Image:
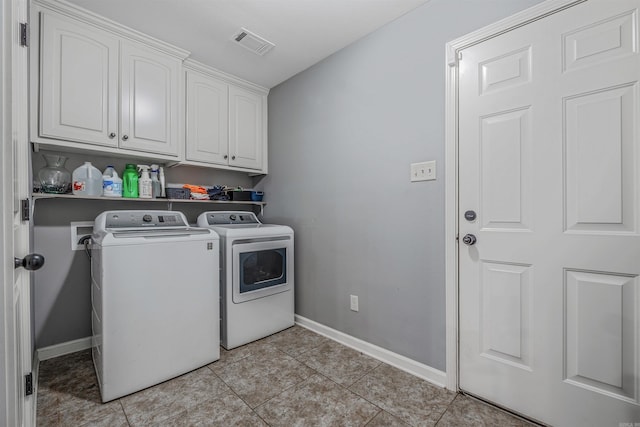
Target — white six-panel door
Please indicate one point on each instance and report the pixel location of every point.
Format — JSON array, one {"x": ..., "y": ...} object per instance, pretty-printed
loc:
[{"x": 549, "y": 159}]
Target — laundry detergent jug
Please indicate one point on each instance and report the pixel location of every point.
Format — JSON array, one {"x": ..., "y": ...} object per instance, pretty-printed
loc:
[
  {"x": 111, "y": 183},
  {"x": 130, "y": 181}
]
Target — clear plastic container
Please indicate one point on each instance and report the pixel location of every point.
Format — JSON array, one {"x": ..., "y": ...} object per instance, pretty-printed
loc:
[{"x": 87, "y": 181}]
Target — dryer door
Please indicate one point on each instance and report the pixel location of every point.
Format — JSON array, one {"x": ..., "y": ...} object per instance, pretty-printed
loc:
[{"x": 261, "y": 268}]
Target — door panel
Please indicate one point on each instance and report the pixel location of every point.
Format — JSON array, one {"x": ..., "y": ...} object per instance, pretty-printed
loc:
[
  {"x": 599, "y": 313},
  {"x": 599, "y": 147},
  {"x": 505, "y": 293},
  {"x": 549, "y": 156}
]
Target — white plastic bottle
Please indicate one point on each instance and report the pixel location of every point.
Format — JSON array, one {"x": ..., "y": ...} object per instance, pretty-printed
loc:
[
  {"x": 155, "y": 182},
  {"x": 87, "y": 180},
  {"x": 111, "y": 183},
  {"x": 163, "y": 192},
  {"x": 145, "y": 190}
]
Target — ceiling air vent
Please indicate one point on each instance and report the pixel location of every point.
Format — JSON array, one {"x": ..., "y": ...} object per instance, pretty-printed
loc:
[{"x": 253, "y": 42}]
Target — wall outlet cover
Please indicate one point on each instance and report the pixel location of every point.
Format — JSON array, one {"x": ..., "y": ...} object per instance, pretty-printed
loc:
[{"x": 354, "y": 303}]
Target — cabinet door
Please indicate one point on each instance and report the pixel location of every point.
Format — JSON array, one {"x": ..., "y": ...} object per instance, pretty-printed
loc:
[
  {"x": 207, "y": 119},
  {"x": 149, "y": 101},
  {"x": 246, "y": 128},
  {"x": 78, "y": 82}
]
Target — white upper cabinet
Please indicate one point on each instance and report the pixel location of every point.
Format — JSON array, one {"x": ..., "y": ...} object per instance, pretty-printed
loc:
[
  {"x": 246, "y": 128},
  {"x": 207, "y": 119},
  {"x": 79, "y": 67},
  {"x": 226, "y": 121},
  {"x": 98, "y": 87},
  {"x": 149, "y": 100},
  {"x": 101, "y": 88}
]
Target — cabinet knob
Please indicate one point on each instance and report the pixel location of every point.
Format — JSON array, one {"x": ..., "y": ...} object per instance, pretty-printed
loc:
[
  {"x": 233, "y": 157},
  {"x": 226, "y": 157},
  {"x": 112, "y": 135},
  {"x": 125, "y": 137}
]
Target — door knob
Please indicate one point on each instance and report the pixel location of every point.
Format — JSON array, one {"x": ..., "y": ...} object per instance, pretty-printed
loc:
[
  {"x": 469, "y": 239},
  {"x": 30, "y": 262}
]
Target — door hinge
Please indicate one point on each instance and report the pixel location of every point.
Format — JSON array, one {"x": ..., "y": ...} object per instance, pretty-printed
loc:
[
  {"x": 24, "y": 208},
  {"x": 24, "y": 34},
  {"x": 28, "y": 384},
  {"x": 457, "y": 237}
]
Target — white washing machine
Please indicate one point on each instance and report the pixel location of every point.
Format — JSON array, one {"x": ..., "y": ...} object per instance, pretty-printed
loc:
[
  {"x": 256, "y": 278},
  {"x": 154, "y": 295}
]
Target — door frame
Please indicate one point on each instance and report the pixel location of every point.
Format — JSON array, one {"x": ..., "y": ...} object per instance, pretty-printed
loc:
[
  {"x": 8, "y": 393},
  {"x": 453, "y": 50},
  {"x": 15, "y": 157}
]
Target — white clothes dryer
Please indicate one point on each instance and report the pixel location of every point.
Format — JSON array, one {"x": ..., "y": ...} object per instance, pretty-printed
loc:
[
  {"x": 154, "y": 297},
  {"x": 256, "y": 276}
]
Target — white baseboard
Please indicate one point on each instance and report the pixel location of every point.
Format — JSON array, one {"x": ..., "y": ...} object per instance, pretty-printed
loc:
[
  {"x": 52, "y": 351},
  {"x": 420, "y": 370}
]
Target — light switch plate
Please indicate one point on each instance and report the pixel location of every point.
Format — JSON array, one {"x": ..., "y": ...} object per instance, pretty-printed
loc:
[{"x": 423, "y": 171}]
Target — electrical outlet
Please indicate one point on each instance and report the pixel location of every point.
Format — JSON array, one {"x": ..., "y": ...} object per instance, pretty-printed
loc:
[
  {"x": 80, "y": 229},
  {"x": 354, "y": 302},
  {"x": 423, "y": 171}
]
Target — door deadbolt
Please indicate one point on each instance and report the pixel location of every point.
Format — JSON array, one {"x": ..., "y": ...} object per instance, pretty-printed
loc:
[{"x": 470, "y": 215}]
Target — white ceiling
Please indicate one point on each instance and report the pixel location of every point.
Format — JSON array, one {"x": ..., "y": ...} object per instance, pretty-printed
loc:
[{"x": 304, "y": 31}]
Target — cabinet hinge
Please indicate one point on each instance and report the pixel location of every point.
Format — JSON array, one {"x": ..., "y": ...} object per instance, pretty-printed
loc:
[
  {"x": 24, "y": 209},
  {"x": 24, "y": 34},
  {"x": 459, "y": 56},
  {"x": 28, "y": 384}
]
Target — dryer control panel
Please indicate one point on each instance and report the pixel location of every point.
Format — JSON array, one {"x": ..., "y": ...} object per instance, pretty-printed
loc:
[{"x": 231, "y": 217}]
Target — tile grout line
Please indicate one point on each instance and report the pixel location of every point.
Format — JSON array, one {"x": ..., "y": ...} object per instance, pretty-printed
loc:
[
  {"x": 238, "y": 396},
  {"x": 126, "y": 417}
]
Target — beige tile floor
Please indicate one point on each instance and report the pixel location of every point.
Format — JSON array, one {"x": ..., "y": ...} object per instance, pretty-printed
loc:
[{"x": 293, "y": 378}]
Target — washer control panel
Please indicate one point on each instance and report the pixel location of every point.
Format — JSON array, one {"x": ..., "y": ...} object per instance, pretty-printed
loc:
[
  {"x": 139, "y": 219},
  {"x": 227, "y": 218}
]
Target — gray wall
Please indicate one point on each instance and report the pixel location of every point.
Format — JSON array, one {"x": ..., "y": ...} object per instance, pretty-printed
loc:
[
  {"x": 61, "y": 290},
  {"x": 341, "y": 137}
]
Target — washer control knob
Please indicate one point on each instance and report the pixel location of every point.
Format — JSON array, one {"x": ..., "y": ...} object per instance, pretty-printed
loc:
[
  {"x": 232, "y": 217},
  {"x": 147, "y": 218}
]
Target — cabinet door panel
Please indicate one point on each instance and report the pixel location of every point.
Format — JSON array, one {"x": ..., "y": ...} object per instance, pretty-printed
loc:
[
  {"x": 207, "y": 119},
  {"x": 79, "y": 66},
  {"x": 246, "y": 126},
  {"x": 149, "y": 101}
]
